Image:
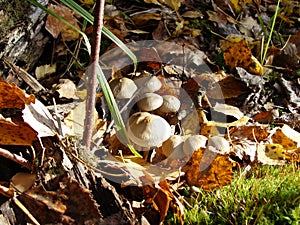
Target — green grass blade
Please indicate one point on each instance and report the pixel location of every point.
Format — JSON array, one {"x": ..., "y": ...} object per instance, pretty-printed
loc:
[
  {"x": 87, "y": 16},
  {"x": 86, "y": 40},
  {"x": 113, "y": 108},
  {"x": 271, "y": 32}
]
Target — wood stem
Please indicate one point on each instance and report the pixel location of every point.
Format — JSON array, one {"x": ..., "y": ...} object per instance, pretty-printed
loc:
[{"x": 91, "y": 75}]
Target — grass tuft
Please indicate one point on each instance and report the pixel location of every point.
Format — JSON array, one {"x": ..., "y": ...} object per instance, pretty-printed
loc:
[{"x": 267, "y": 195}]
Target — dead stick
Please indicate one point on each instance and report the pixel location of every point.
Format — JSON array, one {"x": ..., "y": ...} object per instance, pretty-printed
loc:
[
  {"x": 16, "y": 158},
  {"x": 92, "y": 75}
]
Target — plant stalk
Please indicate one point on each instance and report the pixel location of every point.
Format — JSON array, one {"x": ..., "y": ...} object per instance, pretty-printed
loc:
[{"x": 91, "y": 78}]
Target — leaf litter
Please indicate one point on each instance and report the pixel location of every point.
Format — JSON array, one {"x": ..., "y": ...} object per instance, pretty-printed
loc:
[{"x": 252, "y": 96}]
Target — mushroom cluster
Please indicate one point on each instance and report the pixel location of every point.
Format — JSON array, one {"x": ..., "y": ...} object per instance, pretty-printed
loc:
[
  {"x": 178, "y": 147},
  {"x": 149, "y": 126}
]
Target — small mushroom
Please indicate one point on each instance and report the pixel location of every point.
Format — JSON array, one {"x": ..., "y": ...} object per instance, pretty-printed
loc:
[
  {"x": 148, "y": 130},
  {"x": 148, "y": 84},
  {"x": 193, "y": 143},
  {"x": 123, "y": 88},
  {"x": 173, "y": 147},
  {"x": 218, "y": 144},
  {"x": 150, "y": 102},
  {"x": 171, "y": 104}
]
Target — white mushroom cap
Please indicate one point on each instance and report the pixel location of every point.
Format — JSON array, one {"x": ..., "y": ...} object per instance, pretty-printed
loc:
[
  {"x": 193, "y": 143},
  {"x": 218, "y": 144},
  {"x": 123, "y": 87},
  {"x": 170, "y": 104},
  {"x": 150, "y": 102},
  {"x": 147, "y": 130},
  {"x": 148, "y": 84},
  {"x": 173, "y": 147}
]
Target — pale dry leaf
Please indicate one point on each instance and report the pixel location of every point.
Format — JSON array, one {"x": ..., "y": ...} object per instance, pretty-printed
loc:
[
  {"x": 192, "y": 14},
  {"x": 74, "y": 121},
  {"x": 264, "y": 159},
  {"x": 23, "y": 181},
  {"x": 44, "y": 70},
  {"x": 40, "y": 119},
  {"x": 173, "y": 4},
  {"x": 228, "y": 110},
  {"x": 66, "y": 89},
  {"x": 252, "y": 81}
]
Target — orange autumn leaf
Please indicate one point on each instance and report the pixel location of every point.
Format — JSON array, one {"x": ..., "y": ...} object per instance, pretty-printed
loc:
[
  {"x": 16, "y": 133},
  {"x": 13, "y": 97},
  {"x": 160, "y": 196},
  {"x": 209, "y": 170},
  {"x": 238, "y": 54}
]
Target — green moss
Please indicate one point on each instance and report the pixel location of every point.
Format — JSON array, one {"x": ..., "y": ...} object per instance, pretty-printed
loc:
[{"x": 268, "y": 195}]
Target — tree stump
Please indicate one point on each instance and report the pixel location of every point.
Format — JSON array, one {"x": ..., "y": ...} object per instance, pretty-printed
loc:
[{"x": 22, "y": 37}]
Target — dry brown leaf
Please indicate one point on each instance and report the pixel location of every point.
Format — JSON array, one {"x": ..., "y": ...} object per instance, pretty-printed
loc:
[
  {"x": 252, "y": 133},
  {"x": 144, "y": 18},
  {"x": 160, "y": 196},
  {"x": 55, "y": 27},
  {"x": 16, "y": 133},
  {"x": 209, "y": 170},
  {"x": 238, "y": 54},
  {"x": 283, "y": 138},
  {"x": 230, "y": 88},
  {"x": 13, "y": 97}
]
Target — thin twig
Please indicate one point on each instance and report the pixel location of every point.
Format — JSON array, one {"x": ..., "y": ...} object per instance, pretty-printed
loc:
[
  {"x": 16, "y": 158},
  {"x": 92, "y": 75}
]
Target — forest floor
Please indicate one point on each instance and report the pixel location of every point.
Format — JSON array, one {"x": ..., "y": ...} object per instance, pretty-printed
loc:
[{"x": 234, "y": 68}]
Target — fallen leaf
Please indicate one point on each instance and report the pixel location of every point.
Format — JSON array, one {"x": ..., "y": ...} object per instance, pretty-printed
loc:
[
  {"x": 238, "y": 54},
  {"x": 192, "y": 14},
  {"x": 13, "y": 97},
  {"x": 228, "y": 110},
  {"x": 56, "y": 27},
  {"x": 44, "y": 70},
  {"x": 66, "y": 89},
  {"x": 274, "y": 151},
  {"x": 230, "y": 88},
  {"x": 252, "y": 81},
  {"x": 173, "y": 4},
  {"x": 142, "y": 19},
  {"x": 264, "y": 117},
  {"x": 287, "y": 137},
  {"x": 16, "y": 133},
  {"x": 252, "y": 133},
  {"x": 209, "y": 170},
  {"x": 39, "y": 118},
  {"x": 160, "y": 196},
  {"x": 74, "y": 121},
  {"x": 23, "y": 181},
  {"x": 263, "y": 156}
]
